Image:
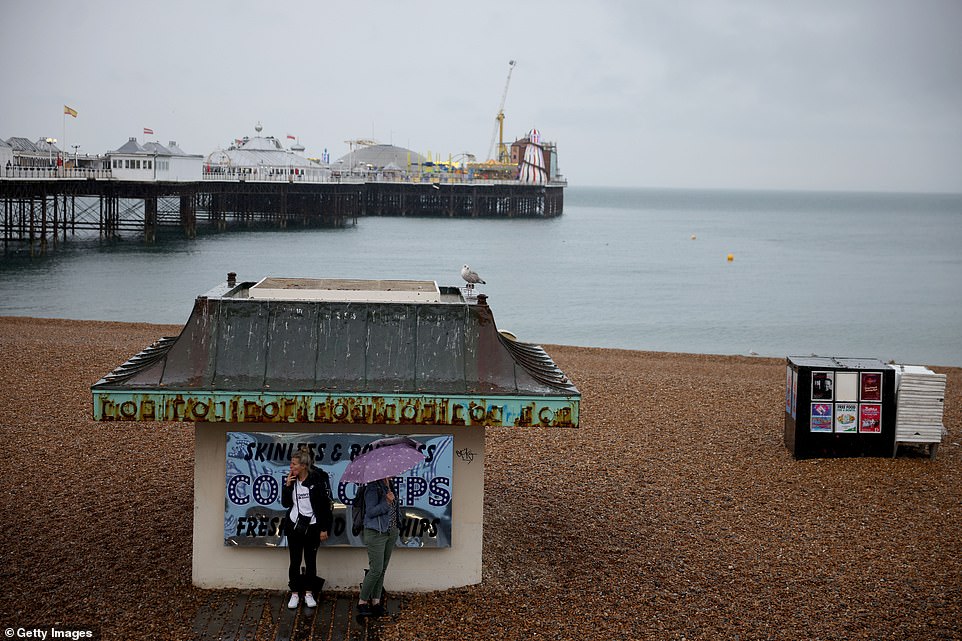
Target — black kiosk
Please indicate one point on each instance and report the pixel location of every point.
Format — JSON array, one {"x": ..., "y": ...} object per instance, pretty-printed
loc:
[{"x": 836, "y": 407}]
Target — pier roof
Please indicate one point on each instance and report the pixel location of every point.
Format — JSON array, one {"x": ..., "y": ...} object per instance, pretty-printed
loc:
[
  {"x": 21, "y": 144},
  {"x": 130, "y": 147},
  {"x": 157, "y": 148},
  {"x": 331, "y": 360},
  {"x": 381, "y": 156},
  {"x": 260, "y": 151},
  {"x": 46, "y": 147}
]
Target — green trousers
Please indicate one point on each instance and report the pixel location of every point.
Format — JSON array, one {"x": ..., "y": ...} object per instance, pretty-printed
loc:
[{"x": 379, "y": 545}]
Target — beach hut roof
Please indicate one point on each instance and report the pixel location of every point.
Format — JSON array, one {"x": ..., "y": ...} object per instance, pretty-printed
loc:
[{"x": 340, "y": 351}]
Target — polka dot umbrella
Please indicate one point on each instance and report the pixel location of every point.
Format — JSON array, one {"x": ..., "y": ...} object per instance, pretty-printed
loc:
[{"x": 389, "y": 457}]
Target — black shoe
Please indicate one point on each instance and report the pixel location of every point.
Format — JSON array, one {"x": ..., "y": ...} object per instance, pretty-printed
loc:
[
  {"x": 363, "y": 613},
  {"x": 377, "y": 610}
]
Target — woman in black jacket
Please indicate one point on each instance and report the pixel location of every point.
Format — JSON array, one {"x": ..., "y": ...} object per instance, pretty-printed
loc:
[{"x": 307, "y": 494}]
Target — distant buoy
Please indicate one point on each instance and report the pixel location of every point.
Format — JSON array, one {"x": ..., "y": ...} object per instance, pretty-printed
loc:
[
  {"x": 693, "y": 236},
  {"x": 731, "y": 257}
]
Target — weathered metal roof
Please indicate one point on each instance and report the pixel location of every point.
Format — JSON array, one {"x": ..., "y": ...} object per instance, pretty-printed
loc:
[
  {"x": 832, "y": 362},
  {"x": 334, "y": 360}
]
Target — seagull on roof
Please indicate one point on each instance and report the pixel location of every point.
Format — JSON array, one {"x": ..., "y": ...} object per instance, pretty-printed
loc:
[{"x": 471, "y": 276}]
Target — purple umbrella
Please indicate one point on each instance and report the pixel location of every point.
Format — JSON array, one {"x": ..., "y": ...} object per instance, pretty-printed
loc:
[{"x": 390, "y": 457}]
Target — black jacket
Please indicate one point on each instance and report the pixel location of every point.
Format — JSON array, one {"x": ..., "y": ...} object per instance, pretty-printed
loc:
[{"x": 318, "y": 484}]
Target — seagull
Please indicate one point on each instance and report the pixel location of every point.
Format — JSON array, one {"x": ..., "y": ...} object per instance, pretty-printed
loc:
[{"x": 471, "y": 276}]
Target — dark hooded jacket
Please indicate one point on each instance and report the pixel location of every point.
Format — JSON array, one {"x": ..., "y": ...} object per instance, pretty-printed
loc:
[{"x": 318, "y": 485}]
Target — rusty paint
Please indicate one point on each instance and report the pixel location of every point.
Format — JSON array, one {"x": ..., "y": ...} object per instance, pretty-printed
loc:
[{"x": 231, "y": 407}]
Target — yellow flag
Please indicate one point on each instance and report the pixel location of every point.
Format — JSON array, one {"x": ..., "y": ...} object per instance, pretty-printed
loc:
[{"x": 70, "y": 112}]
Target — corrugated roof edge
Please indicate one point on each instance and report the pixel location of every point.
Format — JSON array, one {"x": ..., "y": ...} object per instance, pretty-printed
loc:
[{"x": 535, "y": 360}]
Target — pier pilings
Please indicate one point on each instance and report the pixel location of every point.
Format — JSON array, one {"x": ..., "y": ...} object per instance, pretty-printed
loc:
[{"x": 37, "y": 213}]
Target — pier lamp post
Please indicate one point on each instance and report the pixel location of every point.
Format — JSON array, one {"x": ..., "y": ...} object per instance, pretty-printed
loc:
[{"x": 50, "y": 144}]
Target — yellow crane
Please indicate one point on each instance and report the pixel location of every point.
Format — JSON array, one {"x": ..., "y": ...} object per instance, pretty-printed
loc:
[{"x": 499, "y": 123}]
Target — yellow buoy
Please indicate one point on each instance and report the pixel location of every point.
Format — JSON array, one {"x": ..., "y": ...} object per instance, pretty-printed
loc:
[{"x": 731, "y": 257}]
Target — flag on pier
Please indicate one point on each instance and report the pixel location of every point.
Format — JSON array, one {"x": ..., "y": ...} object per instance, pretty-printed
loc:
[
  {"x": 69, "y": 112},
  {"x": 148, "y": 131},
  {"x": 291, "y": 137}
]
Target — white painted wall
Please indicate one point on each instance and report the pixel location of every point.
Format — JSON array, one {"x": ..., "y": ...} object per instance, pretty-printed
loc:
[
  {"x": 178, "y": 168},
  {"x": 125, "y": 172},
  {"x": 218, "y": 566},
  {"x": 187, "y": 168}
]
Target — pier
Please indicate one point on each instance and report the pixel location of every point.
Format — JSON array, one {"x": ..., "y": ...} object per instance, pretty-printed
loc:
[{"x": 42, "y": 208}]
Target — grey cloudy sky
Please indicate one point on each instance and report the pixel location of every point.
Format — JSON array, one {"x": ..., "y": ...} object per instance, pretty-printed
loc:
[{"x": 839, "y": 95}]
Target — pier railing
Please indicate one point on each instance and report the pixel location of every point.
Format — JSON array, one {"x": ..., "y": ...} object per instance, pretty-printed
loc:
[
  {"x": 343, "y": 178},
  {"x": 54, "y": 173},
  {"x": 366, "y": 178}
]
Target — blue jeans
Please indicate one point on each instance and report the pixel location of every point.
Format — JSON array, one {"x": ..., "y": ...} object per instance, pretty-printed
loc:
[{"x": 379, "y": 547}]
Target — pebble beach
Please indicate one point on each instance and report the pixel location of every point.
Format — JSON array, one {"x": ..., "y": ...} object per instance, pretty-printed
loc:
[{"x": 673, "y": 512}]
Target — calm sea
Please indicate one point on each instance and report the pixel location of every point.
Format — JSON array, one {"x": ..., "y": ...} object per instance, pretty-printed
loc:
[{"x": 835, "y": 274}]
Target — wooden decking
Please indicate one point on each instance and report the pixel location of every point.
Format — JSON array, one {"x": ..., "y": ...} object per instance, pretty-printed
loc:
[{"x": 239, "y": 615}]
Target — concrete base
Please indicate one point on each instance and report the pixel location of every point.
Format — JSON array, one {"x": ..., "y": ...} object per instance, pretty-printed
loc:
[{"x": 216, "y": 565}]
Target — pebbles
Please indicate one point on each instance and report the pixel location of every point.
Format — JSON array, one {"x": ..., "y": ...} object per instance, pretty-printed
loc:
[{"x": 673, "y": 512}]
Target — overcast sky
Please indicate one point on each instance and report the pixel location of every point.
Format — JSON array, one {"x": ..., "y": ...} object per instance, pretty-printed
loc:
[{"x": 794, "y": 94}]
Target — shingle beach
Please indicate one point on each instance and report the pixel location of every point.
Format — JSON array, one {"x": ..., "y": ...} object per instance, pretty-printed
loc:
[{"x": 673, "y": 512}]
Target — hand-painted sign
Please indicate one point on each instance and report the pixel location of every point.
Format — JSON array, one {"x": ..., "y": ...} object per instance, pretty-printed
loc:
[
  {"x": 258, "y": 462},
  {"x": 400, "y": 409}
]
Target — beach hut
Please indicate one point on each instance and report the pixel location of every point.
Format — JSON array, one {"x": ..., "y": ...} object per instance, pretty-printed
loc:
[{"x": 263, "y": 367}]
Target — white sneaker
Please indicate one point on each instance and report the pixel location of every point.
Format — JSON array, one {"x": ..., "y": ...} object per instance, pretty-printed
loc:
[
  {"x": 292, "y": 604},
  {"x": 309, "y": 600}
]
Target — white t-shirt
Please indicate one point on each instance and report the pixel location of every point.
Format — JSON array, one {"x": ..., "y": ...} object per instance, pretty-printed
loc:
[{"x": 302, "y": 503}]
